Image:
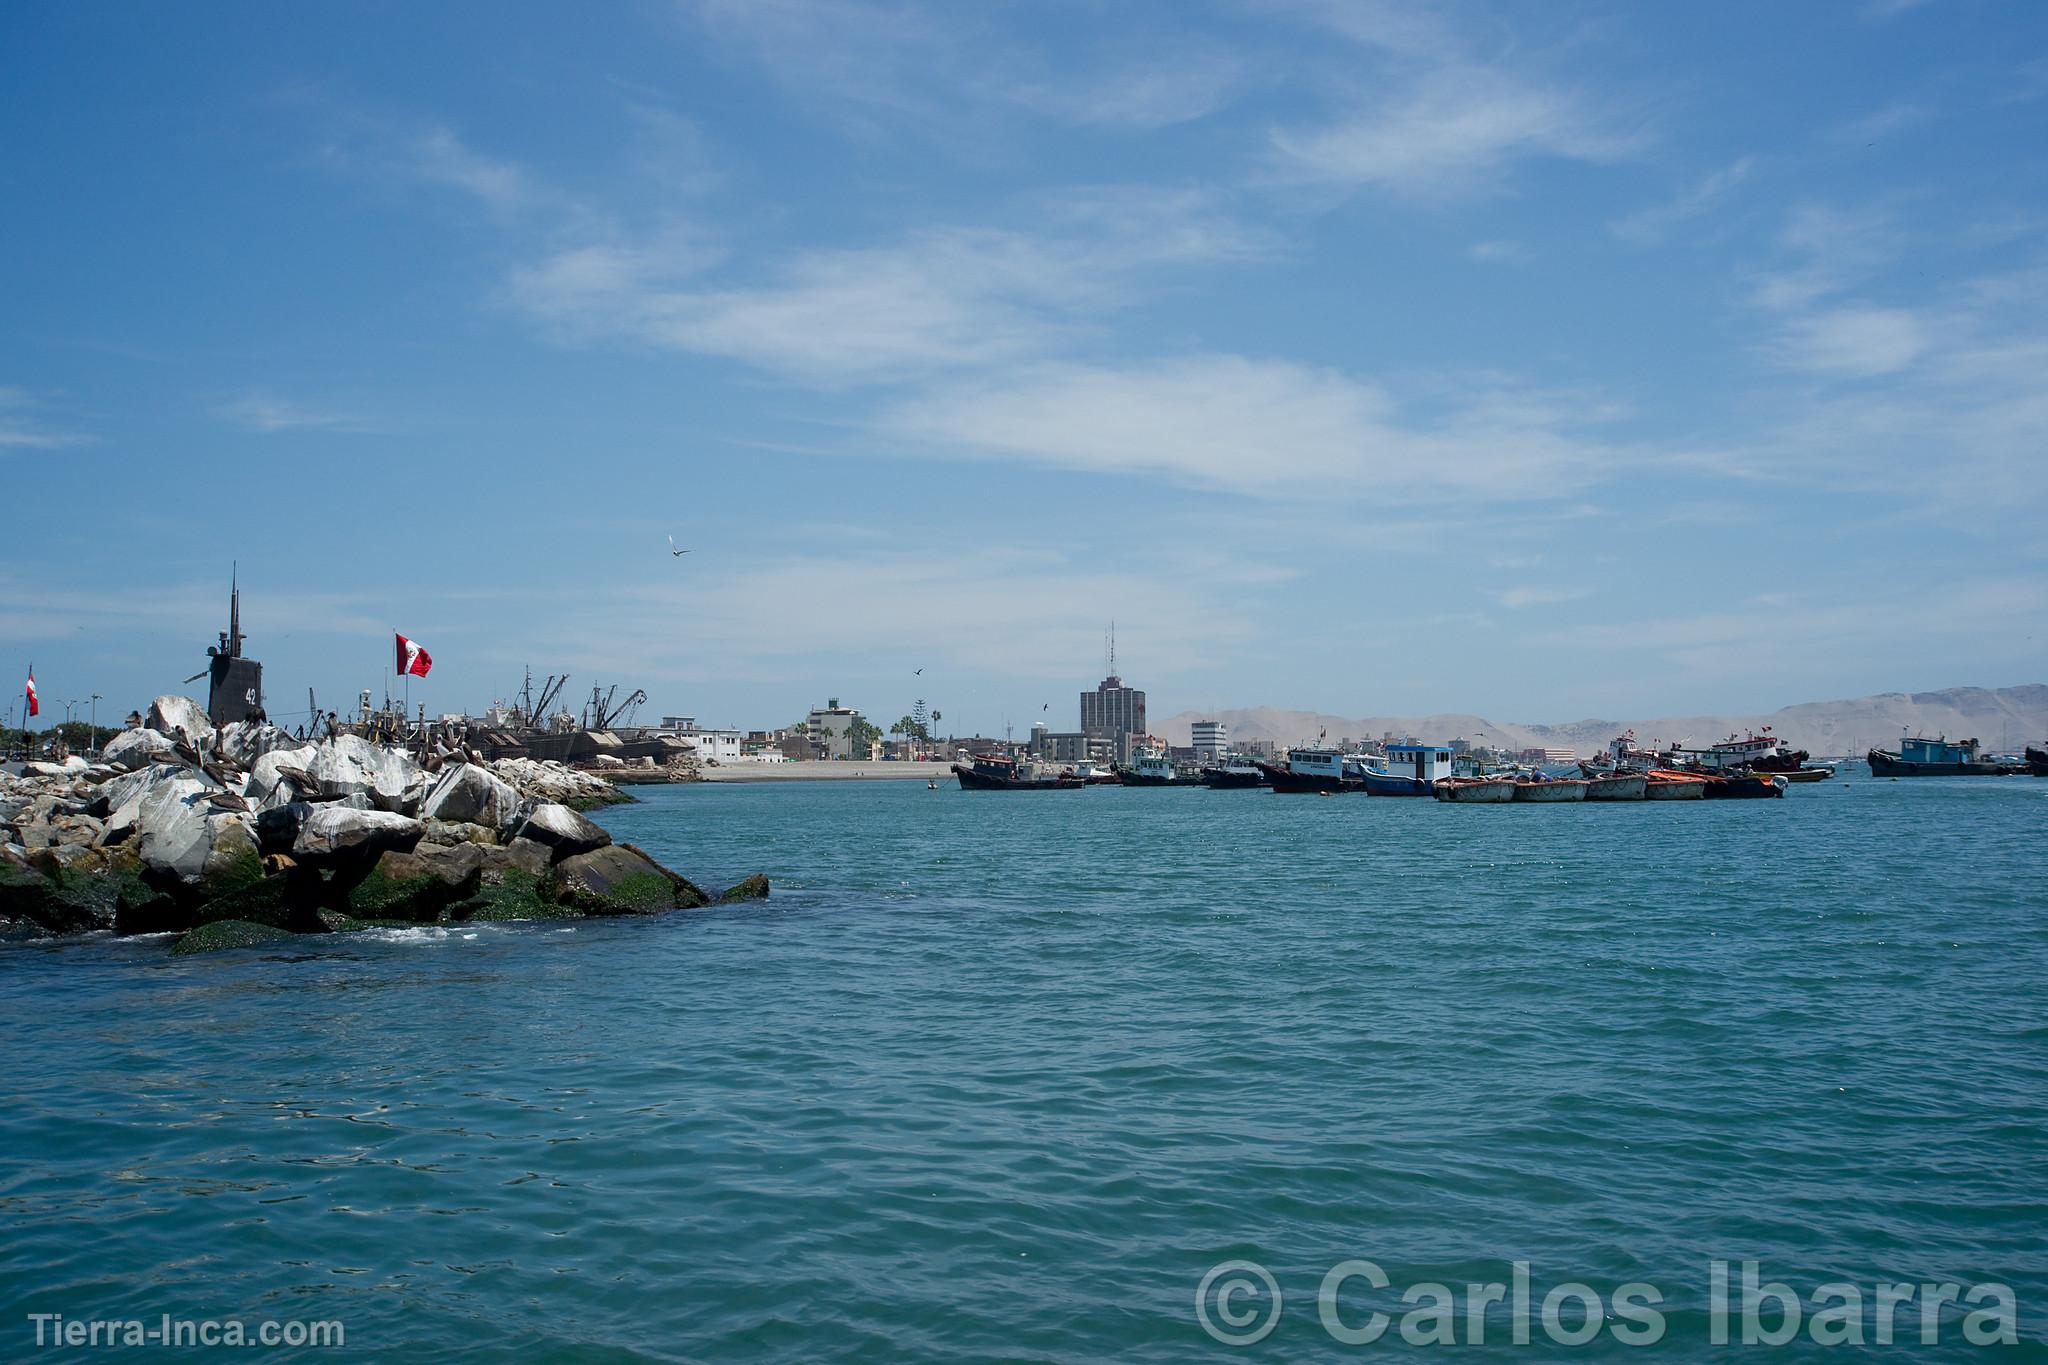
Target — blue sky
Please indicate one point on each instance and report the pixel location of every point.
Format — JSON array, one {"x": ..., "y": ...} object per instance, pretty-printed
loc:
[{"x": 1543, "y": 361}]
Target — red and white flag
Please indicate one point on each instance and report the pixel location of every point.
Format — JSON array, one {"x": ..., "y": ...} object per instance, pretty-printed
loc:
[
  {"x": 33, "y": 708},
  {"x": 411, "y": 658}
]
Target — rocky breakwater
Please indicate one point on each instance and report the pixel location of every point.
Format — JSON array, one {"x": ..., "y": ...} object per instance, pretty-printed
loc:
[{"x": 244, "y": 834}]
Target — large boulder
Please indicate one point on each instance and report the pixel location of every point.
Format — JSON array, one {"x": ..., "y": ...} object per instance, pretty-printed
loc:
[
  {"x": 467, "y": 793},
  {"x": 562, "y": 831},
  {"x": 618, "y": 880},
  {"x": 139, "y": 749},
  {"x": 267, "y": 786},
  {"x": 349, "y": 764},
  {"x": 177, "y": 827},
  {"x": 245, "y": 741},
  {"x": 335, "y": 834},
  {"x": 420, "y": 886},
  {"x": 180, "y": 716}
]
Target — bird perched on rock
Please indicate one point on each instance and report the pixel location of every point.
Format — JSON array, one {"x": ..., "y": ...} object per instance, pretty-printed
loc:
[
  {"x": 186, "y": 753},
  {"x": 221, "y": 773},
  {"x": 228, "y": 799}
]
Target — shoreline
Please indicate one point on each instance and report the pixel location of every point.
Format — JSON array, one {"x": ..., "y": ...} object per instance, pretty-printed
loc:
[{"x": 806, "y": 770}]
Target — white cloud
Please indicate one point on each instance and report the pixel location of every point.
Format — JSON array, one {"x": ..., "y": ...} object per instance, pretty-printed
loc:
[
  {"x": 1516, "y": 598},
  {"x": 268, "y": 413},
  {"x": 20, "y": 428},
  {"x": 1501, "y": 252},
  {"x": 1652, "y": 224},
  {"x": 940, "y": 299},
  {"x": 1450, "y": 131},
  {"x": 1857, "y": 343},
  {"x": 1263, "y": 427}
]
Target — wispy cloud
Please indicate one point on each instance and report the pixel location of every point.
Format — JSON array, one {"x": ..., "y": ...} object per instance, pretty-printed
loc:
[
  {"x": 1501, "y": 252},
  {"x": 1450, "y": 131},
  {"x": 940, "y": 299},
  {"x": 1516, "y": 598},
  {"x": 21, "y": 427},
  {"x": 1268, "y": 427},
  {"x": 1651, "y": 225},
  {"x": 1857, "y": 343},
  {"x": 268, "y": 413}
]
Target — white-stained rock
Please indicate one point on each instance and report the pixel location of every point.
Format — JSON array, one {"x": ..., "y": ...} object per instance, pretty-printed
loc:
[
  {"x": 246, "y": 741},
  {"x": 177, "y": 716},
  {"x": 348, "y": 764},
  {"x": 266, "y": 788},
  {"x": 138, "y": 749},
  {"x": 466, "y": 794},
  {"x": 562, "y": 831},
  {"x": 335, "y": 833},
  {"x": 173, "y": 822}
]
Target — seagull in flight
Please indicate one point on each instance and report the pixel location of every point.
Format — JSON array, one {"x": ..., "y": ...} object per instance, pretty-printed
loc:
[
  {"x": 918, "y": 674},
  {"x": 672, "y": 547}
]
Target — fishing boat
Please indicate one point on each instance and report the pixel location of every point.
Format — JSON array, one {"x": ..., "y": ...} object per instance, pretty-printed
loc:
[
  {"x": 1474, "y": 790},
  {"x": 1316, "y": 769},
  {"x": 1665, "y": 784},
  {"x": 1740, "y": 786},
  {"x": 2037, "y": 761},
  {"x": 987, "y": 773},
  {"x": 1096, "y": 774},
  {"x": 1542, "y": 788},
  {"x": 1759, "y": 751},
  {"x": 1233, "y": 775},
  {"x": 1616, "y": 786},
  {"x": 1411, "y": 770},
  {"x": 1919, "y": 756},
  {"x": 1153, "y": 770}
]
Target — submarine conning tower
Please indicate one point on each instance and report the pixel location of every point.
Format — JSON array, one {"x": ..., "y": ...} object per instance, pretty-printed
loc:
[{"x": 236, "y": 690}]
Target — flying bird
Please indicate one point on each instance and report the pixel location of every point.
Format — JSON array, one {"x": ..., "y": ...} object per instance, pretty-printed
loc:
[
  {"x": 672, "y": 547},
  {"x": 919, "y": 673}
]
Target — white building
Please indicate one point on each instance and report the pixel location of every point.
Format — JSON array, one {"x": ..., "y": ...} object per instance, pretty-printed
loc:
[
  {"x": 828, "y": 726},
  {"x": 1211, "y": 740}
]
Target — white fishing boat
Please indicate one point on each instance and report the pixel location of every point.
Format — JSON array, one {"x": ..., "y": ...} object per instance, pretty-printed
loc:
[
  {"x": 1551, "y": 789},
  {"x": 1616, "y": 787},
  {"x": 1474, "y": 790}
]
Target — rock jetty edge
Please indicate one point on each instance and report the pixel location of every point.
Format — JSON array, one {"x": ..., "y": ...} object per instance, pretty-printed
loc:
[{"x": 246, "y": 835}]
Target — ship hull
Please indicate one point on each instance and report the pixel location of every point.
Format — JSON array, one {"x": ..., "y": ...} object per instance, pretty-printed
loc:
[
  {"x": 1386, "y": 784},
  {"x": 2037, "y": 761},
  {"x": 1675, "y": 788},
  {"x": 1130, "y": 779},
  {"x": 1570, "y": 789},
  {"x": 1474, "y": 791},
  {"x": 1287, "y": 780},
  {"x": 1884, "y": 764},
  {"x": 1744, "y": 787},
  {"x": 1618, "y": 787},
  {"x": 972, "y": 781},
  {"x": 1228, "y": 779}
]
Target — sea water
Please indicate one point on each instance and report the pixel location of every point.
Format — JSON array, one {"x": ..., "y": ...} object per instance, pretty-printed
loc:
[{"x": 1013, "y": 1074}]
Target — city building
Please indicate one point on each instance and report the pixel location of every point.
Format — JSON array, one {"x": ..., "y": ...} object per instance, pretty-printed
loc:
[
  {"x": 828, "y": 728},
  {"x": 1211, "y": 741}
]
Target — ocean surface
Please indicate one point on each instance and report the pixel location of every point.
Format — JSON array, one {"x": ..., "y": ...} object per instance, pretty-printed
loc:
[{"x": 1006, "y": 1075}]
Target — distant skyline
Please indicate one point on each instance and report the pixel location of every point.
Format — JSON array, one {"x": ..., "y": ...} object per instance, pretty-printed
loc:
[{"x": 1542, "y": 362}]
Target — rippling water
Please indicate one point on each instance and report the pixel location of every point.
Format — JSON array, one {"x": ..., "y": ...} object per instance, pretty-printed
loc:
[{"x": 1006, "y": 1074}]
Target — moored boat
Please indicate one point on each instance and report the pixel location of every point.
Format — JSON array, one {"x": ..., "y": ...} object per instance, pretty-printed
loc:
[
  {"x": 2037, "y": 761},
  {"x": 992, "y": 774},
  {"x": 1474, "y": 790},
  {"x": 1743, "y": 786},
  {"x": 1315, "y": 770},
  {"x": 1541, "y": 788},
  {"x": 1412, "y": 770},
  {"x": 1616, "y": 787},
  {"x": 1233, "y": 776},
  {"x": 1919, "y": 756},
  {"x": 1154, "y": 770},
  {"x": 1663, "y": 784}
]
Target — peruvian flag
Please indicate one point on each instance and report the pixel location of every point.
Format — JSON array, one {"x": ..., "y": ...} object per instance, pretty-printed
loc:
[
  {"x": 33, "y": 708},
  {"x": 411, "y": 658}
]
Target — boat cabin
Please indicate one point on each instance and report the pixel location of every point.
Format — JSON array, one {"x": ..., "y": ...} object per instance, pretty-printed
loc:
[
  {"x": 1423, "y": 762},
  {"x": 1316, "y": 762},
  {"x": 1920, "y": 749}
]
